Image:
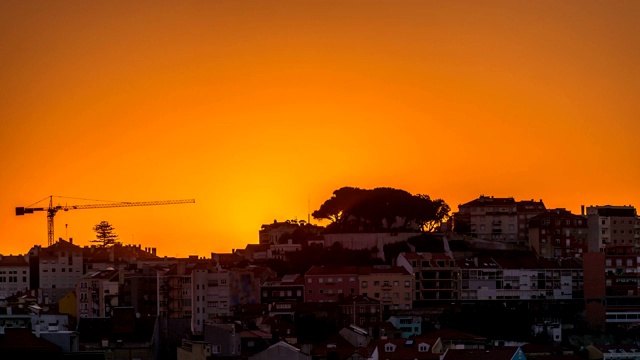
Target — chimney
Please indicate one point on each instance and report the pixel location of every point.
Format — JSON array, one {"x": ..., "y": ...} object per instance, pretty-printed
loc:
[
  {"x": 70, "y": 240},
  {"x": 581, "y": 209},
  {"x": 111, "y": 254},
  {"x": 153, "y": 251}
]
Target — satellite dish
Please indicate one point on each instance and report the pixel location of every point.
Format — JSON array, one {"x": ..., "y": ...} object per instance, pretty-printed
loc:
[{"x": 138, "y": 315}]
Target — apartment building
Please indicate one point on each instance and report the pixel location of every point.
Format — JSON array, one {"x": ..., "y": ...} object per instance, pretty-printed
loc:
[
  {"x": 360, "y": 310},
  {"x": 521, "y": 277},
  {"x": 527, "y": 209},
  {"x": 558, "y": 233},
  {"x": 289, "y": 288},
  {"x": 14, "y": 275},
  {"x": 211, "y": 295},
  {"x": 59, "y": 268},
  {"x": 435, "y": 276},
  {"x": 611, "y": 226},
  {"x": 497, "y": 219},
  {"x": 391, "y": 285},
  {"x": 97, "y": 293},
  {"x": 330, "y": 283}
]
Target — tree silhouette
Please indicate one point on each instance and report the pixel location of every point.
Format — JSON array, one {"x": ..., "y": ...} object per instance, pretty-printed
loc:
[
  {"x": 380, "y": 210},
  {"x": 105, "y": 234}
]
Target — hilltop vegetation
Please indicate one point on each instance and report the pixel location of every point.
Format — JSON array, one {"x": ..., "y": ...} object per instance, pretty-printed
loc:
[{"x": 381, "y": 209}]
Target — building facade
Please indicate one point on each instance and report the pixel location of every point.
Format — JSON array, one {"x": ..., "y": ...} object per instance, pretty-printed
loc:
[
  {"x": 558, "y": 233},
  {"x": 14, "y": 275},
  {"x": 436, "y": 277}
]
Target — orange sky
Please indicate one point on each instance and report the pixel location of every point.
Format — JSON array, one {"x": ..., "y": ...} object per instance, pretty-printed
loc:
[{"x": 257, "y": 108}]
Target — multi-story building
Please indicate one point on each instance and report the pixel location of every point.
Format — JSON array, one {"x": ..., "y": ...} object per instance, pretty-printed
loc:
[
  {"x": 558, "y": 233},
  {"x": 271, "y": 233},
  {"x": 527, "y": 209},
  {"x": 196, "y": 290},
  {"x": 140, "y": 290},
  {"x": 14, "y": 275},
  {"x": 330, "y": 283},
  {"x": 497, "y": 219},
  {"x": 289, "y": 288},
  {"x": 174, "y": 291},
  {"x": 244, "y": 284},
  {"x": 488, "y": 218},
  {"x": 117, "y": 256},
  {"x": 210, "y": 295},
  {"x": 611, "y": 226},
  {"x": 392, "y": 285},
  {"x": 360, "y": 310},
  {"x": 436, "y": 276},
  {"x": 59, "y": 268},
  {"x": 521, "y": 278},
  {"x": 97, "y": 293}
]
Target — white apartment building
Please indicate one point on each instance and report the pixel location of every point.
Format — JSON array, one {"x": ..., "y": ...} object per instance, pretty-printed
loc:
[
  {"x": 14, "y": 275},
  {"x": 59, "y": 269},
  {"x": 210, "y": 289},
  {"x": 611, "y": 226},
  {"x": 520, "y": 279}
]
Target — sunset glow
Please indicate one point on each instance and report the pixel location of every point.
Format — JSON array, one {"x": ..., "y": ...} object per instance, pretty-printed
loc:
[{"x": 258, "y": 110}]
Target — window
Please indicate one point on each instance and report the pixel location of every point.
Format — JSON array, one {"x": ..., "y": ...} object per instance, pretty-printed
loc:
[
  {"x": 364, "y": 284},
  {"x": 407, "y": 284},
  {"x": 216, "y": 349},
  {"x": 376, "y": 283},
  {"x": 396, "y": 283}
]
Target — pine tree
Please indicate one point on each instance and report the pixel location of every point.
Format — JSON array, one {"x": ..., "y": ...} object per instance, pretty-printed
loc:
[{"x": 105, "y": 234}]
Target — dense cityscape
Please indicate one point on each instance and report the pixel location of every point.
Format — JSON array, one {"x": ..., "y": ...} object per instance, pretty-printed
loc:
[{"x": 392, "y": 276}]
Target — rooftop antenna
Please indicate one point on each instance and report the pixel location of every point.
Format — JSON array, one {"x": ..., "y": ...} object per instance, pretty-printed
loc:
[{"x": 66, "y": 231}]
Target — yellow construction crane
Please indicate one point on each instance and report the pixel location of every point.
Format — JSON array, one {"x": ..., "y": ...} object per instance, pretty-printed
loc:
[{"x": 52, "y": 210}]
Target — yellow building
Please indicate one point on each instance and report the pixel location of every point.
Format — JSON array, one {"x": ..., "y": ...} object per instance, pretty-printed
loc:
[
  {"x": 392, "y": 285},
  {"x": 67, "y": 305}
]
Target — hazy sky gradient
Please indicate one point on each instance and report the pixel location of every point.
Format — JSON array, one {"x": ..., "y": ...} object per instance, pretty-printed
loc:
[{"x": 258, "y": 109}]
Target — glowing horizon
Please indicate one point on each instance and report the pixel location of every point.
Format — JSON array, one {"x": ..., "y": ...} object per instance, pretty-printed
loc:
[{"x": 259, "y": 110}]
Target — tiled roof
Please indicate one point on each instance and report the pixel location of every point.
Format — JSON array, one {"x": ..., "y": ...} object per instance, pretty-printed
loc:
[
  {"x": 340, "y": 346},
  {"x": 108, "y": 274},
  {"x": 13, "y": 260},
  {"x": 490, "y": 201},
  {"x": 524, "y": 206},
  {"x": 331, "y": 270},
  {"x": 404, "y": 349},
  {"x": 63, "y": 245}
]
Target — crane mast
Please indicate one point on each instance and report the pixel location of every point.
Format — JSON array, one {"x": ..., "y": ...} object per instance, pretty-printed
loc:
[{"x": 52, "y": 210}]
